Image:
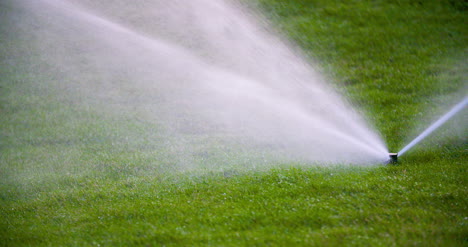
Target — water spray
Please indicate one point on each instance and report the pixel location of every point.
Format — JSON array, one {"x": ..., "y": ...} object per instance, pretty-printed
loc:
[
  {"x": 189, "y": 76},
  {"x": 457, "y": 108}
]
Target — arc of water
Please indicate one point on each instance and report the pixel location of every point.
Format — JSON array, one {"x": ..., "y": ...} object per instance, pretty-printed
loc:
[
  {"x": 458, "y": 107},
  {"x": 353, "y": 135}
]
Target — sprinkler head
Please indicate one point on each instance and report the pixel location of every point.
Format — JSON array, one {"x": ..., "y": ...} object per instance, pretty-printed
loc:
[{"x": 393, "y": 158}]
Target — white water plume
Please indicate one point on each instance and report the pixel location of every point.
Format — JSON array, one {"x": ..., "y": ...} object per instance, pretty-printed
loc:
[{"x": 201, "y": 68}]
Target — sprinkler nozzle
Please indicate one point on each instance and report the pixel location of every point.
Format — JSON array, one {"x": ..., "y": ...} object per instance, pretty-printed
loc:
[{"x": 393, "y": 158}]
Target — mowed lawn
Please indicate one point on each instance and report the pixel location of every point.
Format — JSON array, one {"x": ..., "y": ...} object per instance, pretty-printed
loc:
[{"x": 70, "y": 177}]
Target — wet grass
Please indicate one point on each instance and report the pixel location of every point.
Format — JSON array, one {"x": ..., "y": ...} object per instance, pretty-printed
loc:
[{"x": 73, "y": 177}]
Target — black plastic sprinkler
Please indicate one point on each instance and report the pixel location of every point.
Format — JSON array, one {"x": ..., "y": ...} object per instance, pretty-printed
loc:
[{"x": 393, "y": 158}]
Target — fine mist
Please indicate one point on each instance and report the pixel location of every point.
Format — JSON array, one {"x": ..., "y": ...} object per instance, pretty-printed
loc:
[{"x": 210, "y": 74}]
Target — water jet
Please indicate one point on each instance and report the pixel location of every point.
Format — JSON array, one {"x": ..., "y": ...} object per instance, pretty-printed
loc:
[{"x": 455, "y": 109}]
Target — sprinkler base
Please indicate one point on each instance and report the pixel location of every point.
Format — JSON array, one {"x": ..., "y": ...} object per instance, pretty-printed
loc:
[{"x": 393, "y": 158}]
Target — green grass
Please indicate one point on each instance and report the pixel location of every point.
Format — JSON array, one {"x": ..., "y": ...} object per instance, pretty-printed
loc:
[{"x": 72, "y": 177}]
